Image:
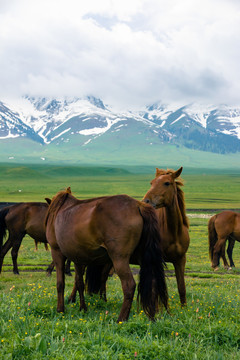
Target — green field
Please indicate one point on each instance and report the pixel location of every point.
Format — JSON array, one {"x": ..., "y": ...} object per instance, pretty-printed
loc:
[
  {"x": 204, "y": 188},
  {"x": 208, "y": 328}
]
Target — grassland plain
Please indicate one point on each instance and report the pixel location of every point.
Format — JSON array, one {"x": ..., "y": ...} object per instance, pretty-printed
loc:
[
  {"x": 204, "y": 188},
  {"x": 208, "y": 328}
]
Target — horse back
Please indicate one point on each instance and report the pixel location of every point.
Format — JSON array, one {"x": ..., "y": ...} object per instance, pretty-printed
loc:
[
  {"x": 28, "y": 218},
  {"x": 228, "y": 222},
  {"x": 111, "y": 222}
]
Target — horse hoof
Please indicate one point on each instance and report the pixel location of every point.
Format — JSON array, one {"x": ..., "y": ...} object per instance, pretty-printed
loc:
[
  {"x": 229, "y": 268},
  {"x": 71, "y": 300},
  {"x": 216, "y": 268},
  {"x": 84, "y": 308}
]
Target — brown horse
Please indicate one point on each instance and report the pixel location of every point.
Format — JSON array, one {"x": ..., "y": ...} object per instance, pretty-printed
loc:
[
  {"x": 167, "y": 197},
  {"x": 108, "y": 230},
  {"x": 222, "y": 227},
  {"x": 23, "y": 219}
]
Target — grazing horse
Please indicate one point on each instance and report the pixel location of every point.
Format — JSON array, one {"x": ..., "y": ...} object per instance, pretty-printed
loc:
[
  {"x": 167, "y": 197},
  {"x": 222, "y": 227},
  {"x": 21, "y": 219},
  {"x": 108, "y": 230}
]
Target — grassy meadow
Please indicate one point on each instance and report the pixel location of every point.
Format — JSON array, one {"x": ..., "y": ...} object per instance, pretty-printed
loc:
[
  {"x": 204, "y": 188},
  {"x": 208, "y": 328}
]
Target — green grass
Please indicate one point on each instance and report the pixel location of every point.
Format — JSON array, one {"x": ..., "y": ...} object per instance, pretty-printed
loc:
[
  {"x": 203, "y": 188},
  {"x": 208, "y": 328}
]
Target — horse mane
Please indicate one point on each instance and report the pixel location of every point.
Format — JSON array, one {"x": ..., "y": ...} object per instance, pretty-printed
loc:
[
  {"x": 180, "y": 193},
  {"x": 56, "y": 203}
]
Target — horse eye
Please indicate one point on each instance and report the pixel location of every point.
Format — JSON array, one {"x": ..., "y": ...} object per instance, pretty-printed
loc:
[{"x": 167, "y": 183}]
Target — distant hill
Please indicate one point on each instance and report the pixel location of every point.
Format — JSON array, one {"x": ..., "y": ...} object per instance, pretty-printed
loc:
[{"x": 86, "y": 131}]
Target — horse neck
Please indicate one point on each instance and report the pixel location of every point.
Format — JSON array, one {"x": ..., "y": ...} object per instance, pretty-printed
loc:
[
  {"x": 58, "y": 203},
  {"x": 171, "y": 217}
]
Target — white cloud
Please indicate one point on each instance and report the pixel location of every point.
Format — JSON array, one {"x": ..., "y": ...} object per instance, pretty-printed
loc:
[{"x": 126, "y": 52}]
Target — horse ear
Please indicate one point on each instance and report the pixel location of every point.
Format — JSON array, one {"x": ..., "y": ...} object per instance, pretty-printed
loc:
[
  {"x": 177, "y": 173},
  {"x": 48, "y": 201},
  {"x": 69, "y": 191},
  {"x": 157, "y": 172}
]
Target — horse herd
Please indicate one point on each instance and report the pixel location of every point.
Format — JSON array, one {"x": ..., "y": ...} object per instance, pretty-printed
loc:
[{"x": 113, "y": 232}]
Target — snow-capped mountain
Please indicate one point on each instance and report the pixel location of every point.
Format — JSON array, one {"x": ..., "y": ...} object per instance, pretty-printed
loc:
[{"x": 84, "y": 121}]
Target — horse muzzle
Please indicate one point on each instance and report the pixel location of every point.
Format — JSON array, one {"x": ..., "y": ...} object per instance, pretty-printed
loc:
[
  {"x": 147, "y": 201},
  {"x": 156, "y": 204}
]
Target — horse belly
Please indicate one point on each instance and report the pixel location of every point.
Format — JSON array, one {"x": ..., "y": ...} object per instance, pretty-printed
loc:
[
  {"x": 37, "y": 234},
  {"x": 78, "y": 245},
  {"x": 236, "y": 233}
]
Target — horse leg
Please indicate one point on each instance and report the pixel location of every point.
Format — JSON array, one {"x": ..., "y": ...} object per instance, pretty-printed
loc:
[
  {"x": 223, "y": 256},
  {"x": 5, "y": 248},
  {"x": 111, "y": 272},
  {"x": 50, "y": 269},
  {"x": 217, "y": 252},
  {"x": 59, "y": 262},
  {"x": 68, "y": 268},
  {"x": 14, "y": 253},
  {"x": 72, "y": 297},
  {"x": 104, "y": 278},
  {"x": 231, "y": 243},
  {"x": 123, "y": 270},
  {"x": 36, "y": 245},
  {"x": 79, "y": 285},
  {"x": 179, "y": 272}
]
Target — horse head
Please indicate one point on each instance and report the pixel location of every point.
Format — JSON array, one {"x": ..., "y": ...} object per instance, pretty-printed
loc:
[{"x": 163, "y": 188}]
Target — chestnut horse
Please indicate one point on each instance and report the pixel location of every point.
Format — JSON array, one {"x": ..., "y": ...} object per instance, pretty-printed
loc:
[
  {"x": 222, "y": 227},
  {"x": 108, "y": 230},
  {"x": 23, "y": 219},
  {"x": 167, "y": 197}
]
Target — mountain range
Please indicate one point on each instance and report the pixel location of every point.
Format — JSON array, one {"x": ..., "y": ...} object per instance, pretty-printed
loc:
[{"x": 86, "y": 127}]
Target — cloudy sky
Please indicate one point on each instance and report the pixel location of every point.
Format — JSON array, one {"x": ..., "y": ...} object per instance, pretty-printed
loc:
[{"x": 127, "y": 52}]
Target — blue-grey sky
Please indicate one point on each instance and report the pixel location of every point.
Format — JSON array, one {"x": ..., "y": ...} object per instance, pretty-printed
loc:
[{"x": 127, "y": 52}]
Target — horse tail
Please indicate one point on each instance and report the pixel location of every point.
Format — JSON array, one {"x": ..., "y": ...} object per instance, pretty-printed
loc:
[
  {"x": 152, "y": 288},
  {"x": 93, "y": 278},
  {"x": 3, "y": 225},
  {"x": 212, "y": 235}
]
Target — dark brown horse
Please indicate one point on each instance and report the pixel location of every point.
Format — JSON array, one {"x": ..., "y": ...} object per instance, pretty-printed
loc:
[
  {"x": 23, "y": 219},
  {"x": 108, "y": 230},
  {"x": 167, "y": 197},
  {"x": 222, "y": 227}
]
